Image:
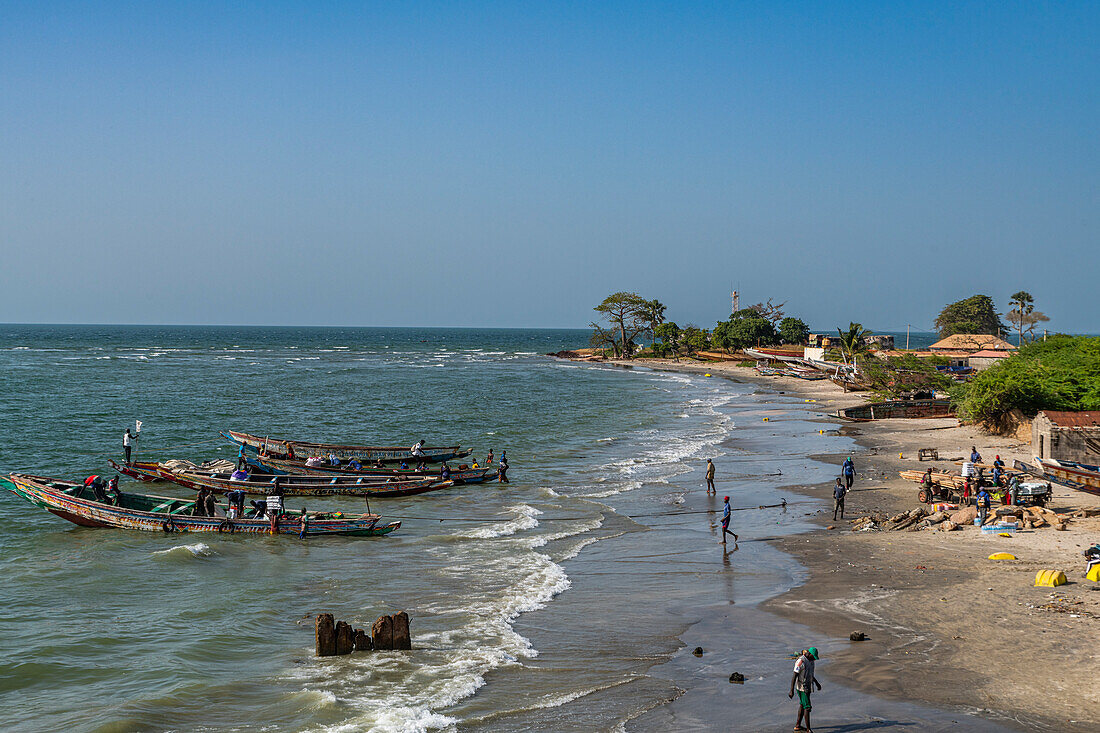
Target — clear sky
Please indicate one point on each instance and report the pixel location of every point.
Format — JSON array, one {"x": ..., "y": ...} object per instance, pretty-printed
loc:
[{"x": 509, "y": 164}]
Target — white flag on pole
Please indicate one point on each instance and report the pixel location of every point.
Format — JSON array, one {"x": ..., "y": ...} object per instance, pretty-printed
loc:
[{"x": 138, "y": 425}]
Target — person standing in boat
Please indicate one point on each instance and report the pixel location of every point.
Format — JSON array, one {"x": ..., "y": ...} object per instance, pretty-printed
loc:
[
  {"x": 113, "y": 494},
  {"x": 444, "y": 472},
  {"x": 502, "y": 468},
  {"x": 418, "y": 450},
  {"x": 710, "y": 477},
  {"x": 127, "y": 444}
]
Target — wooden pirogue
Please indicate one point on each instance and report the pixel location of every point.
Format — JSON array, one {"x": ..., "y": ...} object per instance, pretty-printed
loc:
[
  {"x": 898, "y": 408},
  {"x": 299, "y": 449},
  {"x": 67, "y": 500},
  {"x": 282, "y": 467},
  {"x": 265, "y": 484},
  {"x": 1080, "y": 476}
]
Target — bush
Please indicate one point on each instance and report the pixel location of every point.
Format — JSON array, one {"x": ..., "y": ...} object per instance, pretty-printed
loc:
[
  {"x": 1061, "y": 373},
  {"x": 896, "y": 375}
]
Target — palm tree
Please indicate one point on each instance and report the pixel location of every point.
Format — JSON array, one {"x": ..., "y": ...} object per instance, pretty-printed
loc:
[
  {"x": 654, "y": 313},
  {"x": 1022, "y": 307},
  {"x": 852, "y": 340}
]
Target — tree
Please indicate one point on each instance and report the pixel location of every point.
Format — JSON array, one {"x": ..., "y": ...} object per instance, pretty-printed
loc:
[
  {"x": 793, "y": 331},
  {"x": 853, "y": 340},
  {"x": 1024, "y": 316},
  {"x": 628, "y": 314},
  {"x": 694, "y": 339},
  {"x": 669, "y": 334},
  {"x": 975, "y": 314},
  {"x": 771, "y": 312},
  {"x": 745, "y": 328},
  {"x": 1061, "y": 373}
]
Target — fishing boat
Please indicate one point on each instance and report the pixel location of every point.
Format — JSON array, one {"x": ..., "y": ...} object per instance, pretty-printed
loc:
[
  {"x": 1081, "y": 476},
  {"x": 266, "y": 484},
  {"x": 284, "y": 467},
  {"x": 296, "y": 449},
  {"x": 777, "y": 354},
  {"x": 898, "y": 408},
  {"x": 69, "y": 500}
]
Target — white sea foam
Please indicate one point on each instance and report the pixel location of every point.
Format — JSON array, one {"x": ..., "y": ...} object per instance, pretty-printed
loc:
[
  {"x": 524, "y": 520},
  {"x": 199, "y": 549}
]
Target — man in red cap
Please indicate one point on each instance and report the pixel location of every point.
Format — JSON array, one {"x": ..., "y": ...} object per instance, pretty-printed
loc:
[{"x": 726, "y": 521}]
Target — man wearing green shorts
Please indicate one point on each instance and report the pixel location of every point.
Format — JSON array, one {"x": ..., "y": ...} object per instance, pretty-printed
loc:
[{"x": 803, "y": 680}]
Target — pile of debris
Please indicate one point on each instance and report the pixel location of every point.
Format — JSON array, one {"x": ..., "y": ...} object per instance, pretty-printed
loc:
[{"x": 1029, "y": 517}]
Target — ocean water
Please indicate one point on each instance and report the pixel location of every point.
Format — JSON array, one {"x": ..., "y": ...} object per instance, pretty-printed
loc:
[{"x": 553, "y": 602}]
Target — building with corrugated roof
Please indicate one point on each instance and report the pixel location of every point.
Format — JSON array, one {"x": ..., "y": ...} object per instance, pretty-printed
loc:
[
  {"x": 1067, "y": 436},
  {"x": 971, "y": 342}
]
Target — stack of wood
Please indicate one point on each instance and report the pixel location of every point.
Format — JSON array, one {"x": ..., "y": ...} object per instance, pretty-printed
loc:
[
  {"x": 335, "y": 638},
  {"x": 940, "y": 477}
]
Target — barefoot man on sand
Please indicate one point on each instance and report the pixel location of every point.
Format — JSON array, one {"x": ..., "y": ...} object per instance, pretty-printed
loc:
[
  {"x": 803, "y": 679},
  {"x": 710, "y": 477},
  {"x": 726, "y": 521}
]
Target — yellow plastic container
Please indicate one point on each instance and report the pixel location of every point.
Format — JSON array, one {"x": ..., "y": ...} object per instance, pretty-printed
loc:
[
  {"x": 1002, "y": 556},
  {"x": 1049, "y": 578},
  {"x": 1094, "y": 574}
]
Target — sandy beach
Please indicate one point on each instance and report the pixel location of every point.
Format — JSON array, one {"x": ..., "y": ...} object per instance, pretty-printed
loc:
[{"x": 945, "y": 625}]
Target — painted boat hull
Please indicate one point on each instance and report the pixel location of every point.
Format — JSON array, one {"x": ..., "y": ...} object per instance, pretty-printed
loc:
[
  {"x": 283, "y": 467},
  {"x": 138, "y": 511},
  {"x": 1066, "y": 473},
  {"x": 280, "y": 448},
  {"x": 910, "y": 409},
  {"x": 295, "y": 485}
]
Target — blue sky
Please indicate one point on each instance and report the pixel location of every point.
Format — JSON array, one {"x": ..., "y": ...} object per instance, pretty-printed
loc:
[{"x": 485, "y": 164}]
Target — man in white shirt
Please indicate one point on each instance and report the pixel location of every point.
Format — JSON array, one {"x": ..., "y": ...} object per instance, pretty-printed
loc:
[
  {"x": 127, "y": 444},
  {"x": 803, "y": 680}
]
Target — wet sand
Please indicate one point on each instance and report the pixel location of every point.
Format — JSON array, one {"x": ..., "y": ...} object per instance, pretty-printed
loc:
[{"x": 947, "y": 627}]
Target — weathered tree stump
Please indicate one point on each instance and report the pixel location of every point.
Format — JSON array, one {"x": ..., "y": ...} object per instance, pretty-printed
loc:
[
  {"x": 345, "y": 638},
  {"x": 401, "y": 636},
  {"x": 363, "y": 642},
  {"x": 326, "y": 635},
  {"x": 382, "y": 633}
]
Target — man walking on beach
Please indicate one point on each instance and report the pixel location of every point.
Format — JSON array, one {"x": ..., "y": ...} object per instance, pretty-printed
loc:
[
  {"x": 838, "y": 499},
  {"x": 802, "y": 680},
  {"x": 710, "y": 477},
  {"x": 726, "y": 521},
  {"x": 849, "y": 472}
]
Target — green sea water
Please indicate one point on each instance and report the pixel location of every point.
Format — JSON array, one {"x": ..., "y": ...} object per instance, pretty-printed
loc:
[{"x": 546, "y": 603}]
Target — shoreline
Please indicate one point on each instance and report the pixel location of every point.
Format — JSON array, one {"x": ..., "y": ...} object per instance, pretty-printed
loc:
[{"x": 956, "y": 627}]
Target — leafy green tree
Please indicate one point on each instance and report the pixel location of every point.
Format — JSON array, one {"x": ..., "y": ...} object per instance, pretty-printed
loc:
[
  {"x": 628, "y": 315},
  {"x": 1024, "y": 316},
  {"x": 976, "y": 314},
  {"x": 693, "y": 339},
  {"x": 853, "y": 340},
  {"x": 745, "y": 328},
  {"x": 669, "y": 334},
  {"x": 793, "y": 331},
  {"x": 1061, "y": 373}
]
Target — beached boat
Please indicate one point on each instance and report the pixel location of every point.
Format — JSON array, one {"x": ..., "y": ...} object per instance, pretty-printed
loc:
[
  {"x": 69, "y": 500},
  {"x": 763, "y": 369},
  {"x": 776, "y": 354},
  {"x": 898, "y": 408},
  {"x": 298, "y": 449},
  {"x": 265, "y": 484},
  {"x": 1081, "y": 476},
  {"x": 284, "y": 467}
]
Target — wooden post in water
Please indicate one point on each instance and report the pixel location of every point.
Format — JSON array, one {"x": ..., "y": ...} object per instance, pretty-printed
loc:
[
  {"x": 401, "y": 638},
  {"x": 326, "y": 635},
  {"x": 363, "y": 642},
  {"x": 382, "y": 633},
  {"x": 345, "y": 638}
]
